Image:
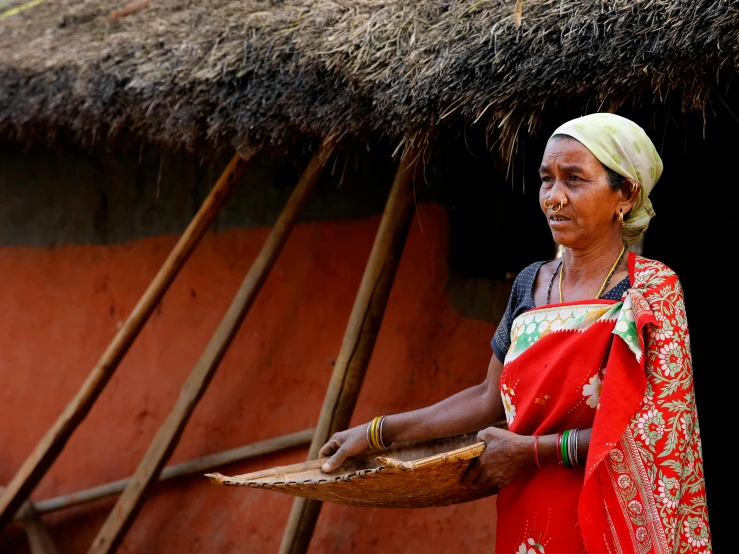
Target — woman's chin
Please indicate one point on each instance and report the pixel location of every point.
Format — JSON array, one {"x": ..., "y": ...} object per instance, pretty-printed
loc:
[{"x": 561, "y": 238}]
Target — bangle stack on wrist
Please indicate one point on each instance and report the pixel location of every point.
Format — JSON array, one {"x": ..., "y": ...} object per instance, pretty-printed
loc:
[
  {"x": 374, "y": 434},
  {"x": 567, "y": 448}
]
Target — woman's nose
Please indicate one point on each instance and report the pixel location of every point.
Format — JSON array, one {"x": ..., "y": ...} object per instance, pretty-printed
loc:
[{"x": 557, "y": 194}]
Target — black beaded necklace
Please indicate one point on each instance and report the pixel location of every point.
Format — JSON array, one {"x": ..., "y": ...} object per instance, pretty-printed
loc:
[{"x": 602, "y": 288}]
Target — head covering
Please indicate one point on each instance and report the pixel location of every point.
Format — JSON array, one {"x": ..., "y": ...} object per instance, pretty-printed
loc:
[{"x": 621, "y": 145}]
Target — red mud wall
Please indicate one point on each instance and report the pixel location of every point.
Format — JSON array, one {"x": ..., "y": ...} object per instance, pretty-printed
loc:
[{"x": 61, "y": 306}]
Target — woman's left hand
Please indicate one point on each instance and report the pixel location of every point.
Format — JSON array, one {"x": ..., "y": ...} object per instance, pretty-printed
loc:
[{"x": 506, "y": 456}]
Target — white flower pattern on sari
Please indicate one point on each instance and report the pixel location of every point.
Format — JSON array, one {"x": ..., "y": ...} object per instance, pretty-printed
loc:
[
  {"x": 591, "y": 391},
  {"x": 508, "y": 405},
  {"x": 651, "y": 427},
  {"x": 670, "y": 358},
  {"x": 530, "y": 547}
]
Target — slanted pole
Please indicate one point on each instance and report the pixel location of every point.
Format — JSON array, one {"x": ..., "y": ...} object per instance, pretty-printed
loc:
[
  {"x": 52, "y": 443},
  {"x": 39, "y": 538},
  {"x": 359, "y": 340},
  {"x": 160, "y": 449},
  {"x": 190, "y": 467}
]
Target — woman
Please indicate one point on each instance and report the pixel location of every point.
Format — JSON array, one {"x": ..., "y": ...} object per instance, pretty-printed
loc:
[{"x": 592, "y": 369}]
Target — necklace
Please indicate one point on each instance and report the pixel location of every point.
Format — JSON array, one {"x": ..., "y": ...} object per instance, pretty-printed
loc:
[
  {"x": 560, "y": 270},
  {"x": 551, "y": 282},
  {"x": 610, "y": 274}
]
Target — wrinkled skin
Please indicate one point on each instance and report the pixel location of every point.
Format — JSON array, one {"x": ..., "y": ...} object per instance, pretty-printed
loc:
[
  {"x": 571, "y": 173},
  {"x": 506, "y": 456}
]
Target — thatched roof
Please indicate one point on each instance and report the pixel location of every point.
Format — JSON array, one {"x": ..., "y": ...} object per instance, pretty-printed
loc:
[{"x": 208, "y": 74}]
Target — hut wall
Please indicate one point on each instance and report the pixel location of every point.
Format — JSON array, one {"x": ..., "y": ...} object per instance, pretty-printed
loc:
[{"x": 81, "y": 235}]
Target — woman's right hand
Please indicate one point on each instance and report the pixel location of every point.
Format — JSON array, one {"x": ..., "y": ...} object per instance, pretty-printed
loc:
[{"x": 342, "y": 445}]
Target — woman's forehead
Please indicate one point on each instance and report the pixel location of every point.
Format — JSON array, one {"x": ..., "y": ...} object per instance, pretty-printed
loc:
[{"x": 562, "y": 152}]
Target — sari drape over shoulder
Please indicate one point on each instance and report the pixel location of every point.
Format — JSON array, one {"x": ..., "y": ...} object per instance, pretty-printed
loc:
[{"x": 624, "y": 369}]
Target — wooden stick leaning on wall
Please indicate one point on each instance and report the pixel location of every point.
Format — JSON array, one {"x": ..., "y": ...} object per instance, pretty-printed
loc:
[
  {"x": 160, "y": 449},
  {"x": 39, "y": 538},
  {"x": 359, "y": 341},
  {"x": 53, "y": 441},
  {"x": 190, "y": 467}
]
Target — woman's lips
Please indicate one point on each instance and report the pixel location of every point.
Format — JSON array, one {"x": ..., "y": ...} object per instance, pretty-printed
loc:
[{"x": 557, "y": 220}]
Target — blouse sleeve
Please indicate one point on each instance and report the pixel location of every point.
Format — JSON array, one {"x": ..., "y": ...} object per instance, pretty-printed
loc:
[
  {"x": 502, "y": 337},
  {"x": 665, "y": 428}
]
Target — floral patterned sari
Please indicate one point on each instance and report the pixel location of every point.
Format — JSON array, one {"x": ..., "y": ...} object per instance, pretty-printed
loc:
[{"x": 624, "y": 369}]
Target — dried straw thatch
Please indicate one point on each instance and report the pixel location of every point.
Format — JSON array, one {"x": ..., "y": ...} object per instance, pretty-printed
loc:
[{"x": 206, "y": 75}]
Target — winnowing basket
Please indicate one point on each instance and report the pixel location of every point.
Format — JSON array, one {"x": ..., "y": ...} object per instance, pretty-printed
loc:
[{"x": 407, "y": 475}]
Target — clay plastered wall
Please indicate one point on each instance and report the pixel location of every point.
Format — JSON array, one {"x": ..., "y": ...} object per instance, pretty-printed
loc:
[
  {"x": 61, "y": 305},
  {"x": 66, "y": 195}
]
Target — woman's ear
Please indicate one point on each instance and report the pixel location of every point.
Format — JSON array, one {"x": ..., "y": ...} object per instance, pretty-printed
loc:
[{"x": 629, "y": 194}]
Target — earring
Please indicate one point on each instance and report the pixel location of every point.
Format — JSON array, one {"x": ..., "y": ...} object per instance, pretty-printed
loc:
[
  {"x": 634, "y": 186},
  {"x": 620, "y": 218}
]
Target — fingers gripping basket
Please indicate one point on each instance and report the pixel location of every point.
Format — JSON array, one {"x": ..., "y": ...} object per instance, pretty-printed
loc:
[{"x": 409, "y": 475}]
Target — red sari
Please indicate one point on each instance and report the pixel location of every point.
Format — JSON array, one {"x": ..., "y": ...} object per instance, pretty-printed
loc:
[{"x": 624, "y": 369}]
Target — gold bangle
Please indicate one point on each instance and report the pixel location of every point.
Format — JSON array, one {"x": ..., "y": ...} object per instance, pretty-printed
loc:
[
  {"x": 370, "y": 441},
  {"x": 379, "y": 432},
  {"x": 373, "y": 444},
  {"x": 370, "y": 435},
  {"x": 378, "y": 438},
  {"x": 373, "y": 434}
]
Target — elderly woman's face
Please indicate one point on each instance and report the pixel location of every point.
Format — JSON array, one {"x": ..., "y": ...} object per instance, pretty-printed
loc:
[{"x": 571, "y": 175}]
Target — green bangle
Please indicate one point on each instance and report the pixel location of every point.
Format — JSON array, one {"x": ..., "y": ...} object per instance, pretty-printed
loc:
[{"x": 563, "y": 449}]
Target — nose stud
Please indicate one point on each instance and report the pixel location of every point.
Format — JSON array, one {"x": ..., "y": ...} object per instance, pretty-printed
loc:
[
  {"x": 556, "y": 210},
  {"x": 559, "y": 208}
]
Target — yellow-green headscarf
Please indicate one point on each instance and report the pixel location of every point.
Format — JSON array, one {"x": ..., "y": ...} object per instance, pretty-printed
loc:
[{"x": 623, "y": 146}]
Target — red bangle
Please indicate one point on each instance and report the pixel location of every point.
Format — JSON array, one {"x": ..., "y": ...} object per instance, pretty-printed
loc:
[{"x": 536, "y": 453}]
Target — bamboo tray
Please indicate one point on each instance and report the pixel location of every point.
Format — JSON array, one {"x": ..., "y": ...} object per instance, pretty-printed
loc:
[{"x": 409, "y": 475}]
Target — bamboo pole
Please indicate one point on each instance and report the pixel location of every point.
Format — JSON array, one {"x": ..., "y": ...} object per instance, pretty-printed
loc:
[
  {"x": 52, "y": 443},
  {"x": 190, "y": 467},
  {"x": 39, "y": 538},
  {"x": 358, "y": 343},
  {"x": 160, "y": 449}
]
